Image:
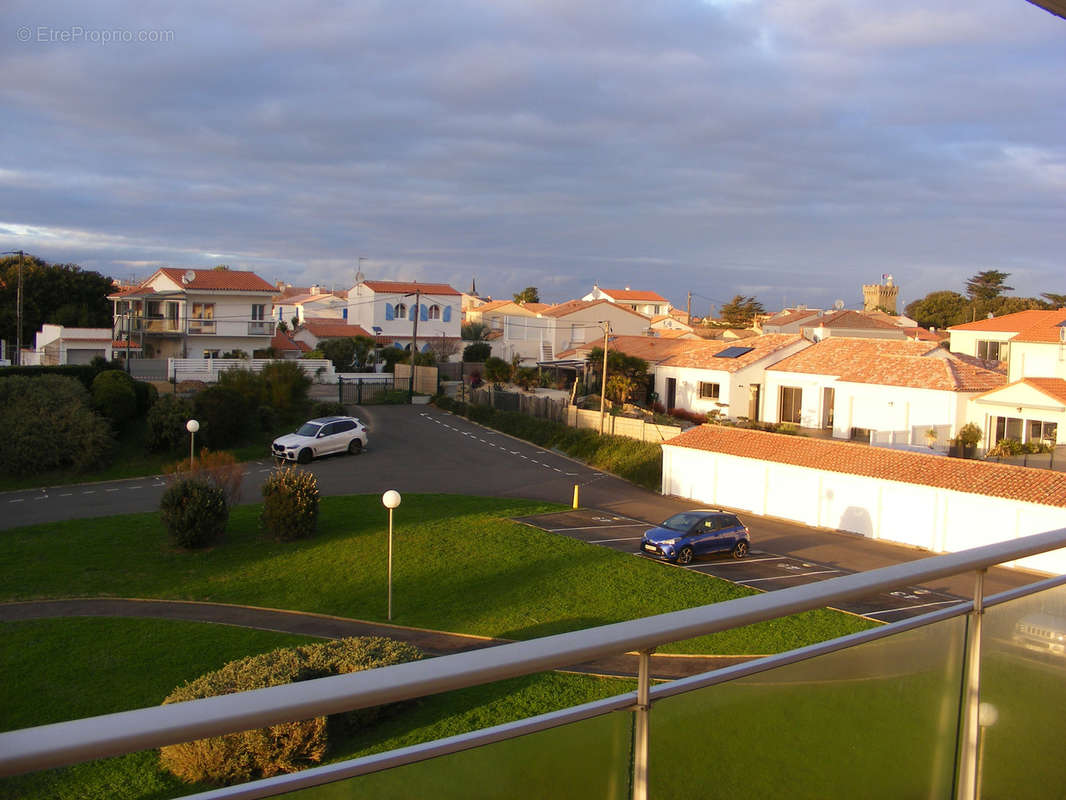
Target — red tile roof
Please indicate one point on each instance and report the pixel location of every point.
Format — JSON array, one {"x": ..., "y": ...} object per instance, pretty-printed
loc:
[
  {"x": 849, "y": 320},
  {"x": 409, "y": 287},
  {"x": 653, "y": 349},
  {"x": 333, "y": 329},
  {"x": 1042, "y": 486},
  {"x": 1055, "y": 388},
  {"x": 789, "y": 317},
  {"x": 226, "y": 280},
  {"x": 281, "y": 342},
  {"x": 1010, "y": 323},
  {"x": 571, "y": 306},
  {"x": 1047, "y": 330},
  {"x": 895, "y": 362},
  {"x": 706, "y": 357},
  {"x": 136, "y": 291},
  {"x": 631, "y": 296}
]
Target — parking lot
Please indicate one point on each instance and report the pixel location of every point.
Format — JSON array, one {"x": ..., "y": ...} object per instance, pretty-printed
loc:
[{"x": 760, "y": 570}]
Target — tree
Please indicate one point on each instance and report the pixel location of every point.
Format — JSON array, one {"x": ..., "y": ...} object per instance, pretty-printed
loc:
[
  {"x": 60, "y": 294},
  {"x": 340, "y": 351},
  {"x": 443, "y": 348},
  {"x": 1056, "y": 300},
  {"x": 477, "y": 351},
  {"x": 475, "y": 331},
  {"x": 282, "y": 326},
  {"x": 527, "y": 295},
  {"x": 987, "y": 285},
  {"x": 740, "y": 311},
  {"x": 939, "y": 310},
  {"x": 364, "y": 350},
  {"x": 497, "y": 370}
]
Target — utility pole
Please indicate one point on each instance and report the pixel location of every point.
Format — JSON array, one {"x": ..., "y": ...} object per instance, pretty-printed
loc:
[
  {"x": 688, "y": 309},
  {"x": 18, "y": 309},
  {"x": 414, "y": 340},
  {"x": 603, "y": 383}
]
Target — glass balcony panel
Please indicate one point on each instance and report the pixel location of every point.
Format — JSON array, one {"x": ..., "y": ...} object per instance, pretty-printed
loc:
[
  {"x": 1023, "y": 693},
  {"x": 584, "y": 760},
  {"x": 875, "y": 721}
]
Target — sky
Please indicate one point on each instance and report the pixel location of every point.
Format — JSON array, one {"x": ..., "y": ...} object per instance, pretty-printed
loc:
[{"x": 791, "y": 150}]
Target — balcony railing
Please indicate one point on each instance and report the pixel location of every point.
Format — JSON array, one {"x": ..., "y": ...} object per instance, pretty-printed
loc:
[{"x": 904, "y": 710}]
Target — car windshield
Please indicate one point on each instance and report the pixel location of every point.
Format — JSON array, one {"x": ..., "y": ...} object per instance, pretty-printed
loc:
[
  {"x": 681, "y": 522},
  {"x": 309, "y": 429}
]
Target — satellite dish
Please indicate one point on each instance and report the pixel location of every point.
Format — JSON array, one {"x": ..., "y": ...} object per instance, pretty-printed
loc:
[
  {"x": 838, "y": 305},
  {"x": 188, "y": 277}
]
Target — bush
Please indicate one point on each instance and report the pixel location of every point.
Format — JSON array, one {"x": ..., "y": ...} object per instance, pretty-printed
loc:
[
  {"x": 526, "y": 378},
  {"x": 286, "y": 386},
  {"x": 249, "y": 384},
  {"x": 478, "y": 351},
  {"x": 497, "y": 370},
  {"x": 166, "y": 423},
  {"x": 147, "y": 394},
  {"x": 328, "y": 408},
  {"x": 194, "y": 513},
  {"x": 220, "y": 470},
  {"x": 395, "y": 397},
  {"x": 48, "y": 423},
  {"x": 114, "y": 396},
  {"x": 290, "y": 504},
  {"x": 85, "y": 373},
  {"x": 223, "y": 414},
  {"x": 289, "y": 746}
]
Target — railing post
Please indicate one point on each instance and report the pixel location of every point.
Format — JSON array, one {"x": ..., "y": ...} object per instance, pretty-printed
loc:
[
  {"x": 640, "y": 730},
  {"x": 966, "y": 778}
]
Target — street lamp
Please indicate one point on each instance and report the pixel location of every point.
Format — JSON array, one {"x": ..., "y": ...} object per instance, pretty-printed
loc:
[
  {"x": 192, "y": 426},
  {"x": 391, "y": 499}
]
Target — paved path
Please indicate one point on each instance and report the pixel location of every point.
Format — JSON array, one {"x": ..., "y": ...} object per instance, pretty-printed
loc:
[{"x": 435, "y": 643}]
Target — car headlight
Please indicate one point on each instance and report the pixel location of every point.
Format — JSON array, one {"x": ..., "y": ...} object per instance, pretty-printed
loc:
[{"x": 669, "y": 541}]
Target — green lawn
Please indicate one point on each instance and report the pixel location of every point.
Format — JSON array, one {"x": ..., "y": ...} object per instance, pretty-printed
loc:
[
  {"x": 459, "y": 565},
  {"x": 69, "y": 668}
]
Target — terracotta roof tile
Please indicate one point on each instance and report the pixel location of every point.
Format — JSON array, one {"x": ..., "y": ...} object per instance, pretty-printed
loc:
[
  {"x": 634, "y": 296},
  {"x": 892, "y": 362},
  {"x": 1013, "y": 323},
  {"x": 333, "y": 329},
  {"x": 224, "y": 280},
  {"x": 706, "y": 356},
  {"x": 850, "y": 320},
  {"x": 569, "y": 307},
  {"x": 789, "y": 317},
  {"x": 407, "y": 287},
  {"x": 1047, "y": 330},
  {"x": 281, "y": 342},
  {"x": 1046, "y": 487}
]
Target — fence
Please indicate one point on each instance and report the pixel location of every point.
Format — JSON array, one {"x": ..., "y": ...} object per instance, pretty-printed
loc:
[
  {"x": 621, "y": 426},
  {"x": 530, "y": 404},
  {"x": 425, "y": 377},
  {"x": 319, "y": 370},
  {"x": 375, "y": 390}
]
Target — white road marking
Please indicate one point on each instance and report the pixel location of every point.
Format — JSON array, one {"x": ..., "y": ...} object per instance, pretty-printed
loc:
[
  {"x": 42, "y": 497},
  {"x": 514, "y": 452},
  {"x": 749, "y": 561},
  {"x": 597, "y": 527},
  {"x": 624, "y": 539},
  {"x": 110, "y": 490},
  {"x": 68, "y": 494},
  {"x": 131, "y": 488},
  {"x": 796, "y": 575},
  {"x": 17, "y": 500},
  {"x": 909, "y": 608},
  {"x": 91, "y": 491}
]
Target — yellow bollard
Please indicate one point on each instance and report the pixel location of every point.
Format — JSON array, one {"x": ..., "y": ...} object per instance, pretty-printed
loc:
[{"x": 575, "y": 495}]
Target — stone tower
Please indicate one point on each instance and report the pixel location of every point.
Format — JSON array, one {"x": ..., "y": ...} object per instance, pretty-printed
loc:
[{"x": 883, "y": 295}]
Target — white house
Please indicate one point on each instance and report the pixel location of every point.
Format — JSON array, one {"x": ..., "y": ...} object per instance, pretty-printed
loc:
[
  {"x": 723, "y": 376},
  {"x": 650, "y": 304},
  {"x": 567, "y": 326},
  {"x": 58, "y": 344},
  {"x": 389, "y": 311},
  {"x": 881, "y": 391},
  {"x": 196, "y": 313},
  {"x": 311, "y": 302},
  {"x": 314, "y": 331}
]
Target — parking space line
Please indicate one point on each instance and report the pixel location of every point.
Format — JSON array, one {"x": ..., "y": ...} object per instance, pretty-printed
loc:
[
  {"x": 131, "y": 488},
  {"x": 794, "y": 575},
  {"x": 17, "y": 500},
  {"x": 68, "y": 494},
  {"x": 743, "y": 561},
  {"x": 91, "y": 491},
  {"x": 909, "y": 608},
  {"x": 623, "y": 539},
  {"x": 595, "y": 527},
  {"x": 111, "y": 490},
  {"x": 42, "y": 497}
]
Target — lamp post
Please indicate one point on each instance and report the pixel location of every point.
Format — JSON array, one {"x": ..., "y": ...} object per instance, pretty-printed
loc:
[
  {"x": 192, "y": 426},
  {"x": 391, "y": 499}
]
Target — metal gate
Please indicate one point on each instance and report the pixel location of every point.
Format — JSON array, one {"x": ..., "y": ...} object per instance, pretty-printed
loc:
[{"x": 374, "y": 391}]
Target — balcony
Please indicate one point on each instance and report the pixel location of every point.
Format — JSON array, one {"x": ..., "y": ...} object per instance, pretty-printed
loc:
[{"x": 963, "y": 702}]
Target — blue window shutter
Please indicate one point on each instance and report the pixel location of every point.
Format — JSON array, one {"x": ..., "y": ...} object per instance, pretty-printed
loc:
[
  {"x": 423, "y": 313},
  {"x": 389, "y": 314},
  {"x": 344, "y": 314},
  {"x": 447, "y": 313}
]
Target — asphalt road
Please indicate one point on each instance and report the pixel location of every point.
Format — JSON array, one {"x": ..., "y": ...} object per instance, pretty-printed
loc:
[{"x": 421, "y": 449}]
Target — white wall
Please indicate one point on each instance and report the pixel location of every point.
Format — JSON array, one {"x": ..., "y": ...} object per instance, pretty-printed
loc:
[
  {"x": 1036, "y": 360},
  {"x": 940, "y": 520},
  {"x": 367, "y": 308}
]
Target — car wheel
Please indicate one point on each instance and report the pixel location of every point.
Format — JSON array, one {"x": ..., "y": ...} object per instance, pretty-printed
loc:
[
  {"x": 305, "y": 456},
  {"x": 355, "y": 447},
  {"x": 684, "y": 555},
  {"x": 740, "y": 549}
]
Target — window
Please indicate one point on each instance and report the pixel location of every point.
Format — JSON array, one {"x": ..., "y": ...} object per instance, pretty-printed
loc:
[
  {"x": 155, "y": 309},
  {"x": 992, "y": 351},
  {"x": 258, "y": 311},
  {"x": 211, "y": 353},
  {"x": 401, "y": 311},
  {"x": 710, "y": 391},
  {"x": 203, "y": 310},
  {"x": 791, "y": 401},
  {"x": 434, "y": 312},
  {"x": 202, "y": 319},
  {"x": 1042, "y": 431}
]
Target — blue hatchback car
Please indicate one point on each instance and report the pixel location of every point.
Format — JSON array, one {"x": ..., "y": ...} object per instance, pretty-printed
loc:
[{"x": 695, "y": 533}]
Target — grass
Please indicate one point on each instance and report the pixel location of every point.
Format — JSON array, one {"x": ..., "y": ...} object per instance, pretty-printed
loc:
[
  {"x": 68, "y": 668},
  {"x": 459, "y": 565}
]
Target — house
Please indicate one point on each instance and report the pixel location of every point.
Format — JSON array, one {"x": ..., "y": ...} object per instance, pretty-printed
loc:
[
  {"x": 196, "y": 313},
  {"x": 395, "y": 312},
  {"x": 310, "y": 302},
  {"x": 876, "y": 390},
  {"x": 284, "y": 346},
  {"x": 853, "y": 324},
  {"x": 1033, "y": 346},
  {"x": 566, "y": 326},
  {"x": 723, "y": 377},
  {"x": 669, "y": 323},
  {"x": 494, "y": 313},
  {"x": 58, "y": 344},
  {"x": 650, "y": 304},
  {"x": 313, "y": 331},
  {"x": 788, "y": 320}
]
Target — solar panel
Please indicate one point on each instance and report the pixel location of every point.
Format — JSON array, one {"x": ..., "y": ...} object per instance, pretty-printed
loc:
[{"x": 733, "y": 352}]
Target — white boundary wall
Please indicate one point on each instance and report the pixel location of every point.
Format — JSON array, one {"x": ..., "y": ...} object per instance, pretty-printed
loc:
[{"x": 941, "y": 520}]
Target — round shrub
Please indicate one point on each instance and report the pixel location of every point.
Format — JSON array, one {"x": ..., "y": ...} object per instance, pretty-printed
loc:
[
  {"x": 194, "y": 513},
  {"x": 328, "y": 408},
  {"x": 478, "y": 351},
  {"x": 48, "y": 424},
  {"x": 166, "y": 423},
  {"x": 286, "y": 385},
  {"x": 290, "y": 504},
  {"x": 289, "y": 746},
  {"x": 114, "y": 396},
  {"x": 223, "y": 414},
  {"x": 147, "y": 394}
]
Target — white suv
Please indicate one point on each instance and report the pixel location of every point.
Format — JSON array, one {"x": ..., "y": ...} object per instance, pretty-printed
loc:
[{"x": 320, "y": 437}]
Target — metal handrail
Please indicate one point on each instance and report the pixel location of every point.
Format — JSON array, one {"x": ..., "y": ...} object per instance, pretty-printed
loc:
[{"x": 129, "y": 731}]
